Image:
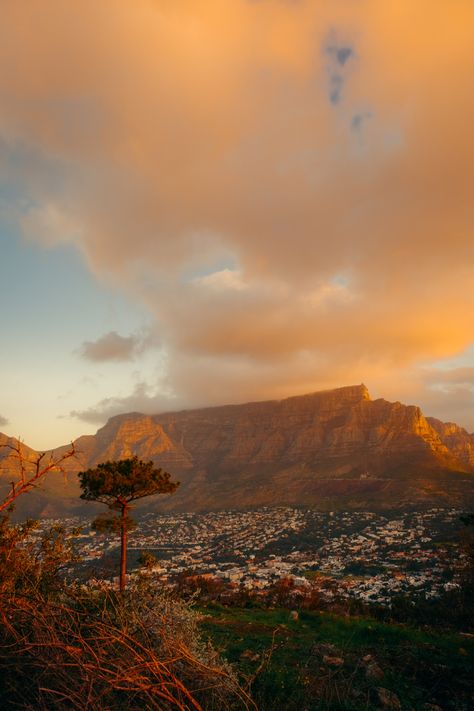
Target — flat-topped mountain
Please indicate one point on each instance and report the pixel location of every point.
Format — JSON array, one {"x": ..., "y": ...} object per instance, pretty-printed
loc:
[{"x": 327, "y": 449}]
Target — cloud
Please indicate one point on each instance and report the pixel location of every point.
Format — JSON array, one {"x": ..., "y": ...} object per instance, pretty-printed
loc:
[
  {"x": 142, "y": 399},
  {"x": 205, "y": 380},
  {"x": 446, "y": 378},
  {"x": 453, "y": 404},
  {"x": 113, "y": 347},
  {"x": 222, "y": 280},
  {"x": 3, "y": 421},
  {"x": 444, "y": 390},
  {"x": 358, "y": 119},
  {"x": 338, "y": 55},
  {"x": 343, "y": 54},
  {"x": 214, "y": 156}
]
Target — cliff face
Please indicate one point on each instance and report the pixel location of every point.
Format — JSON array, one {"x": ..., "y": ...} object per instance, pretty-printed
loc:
[
  {"x": 332, "y": 448},
  {"x": 334, "y": 432},
  {"x": 456, "y": 439}
]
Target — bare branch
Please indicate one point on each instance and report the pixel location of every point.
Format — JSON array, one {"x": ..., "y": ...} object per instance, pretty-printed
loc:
[{"x": 37, "y": 470}]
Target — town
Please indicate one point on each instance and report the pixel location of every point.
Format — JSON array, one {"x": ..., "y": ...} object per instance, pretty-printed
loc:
[{"x": 361, "y": 555}]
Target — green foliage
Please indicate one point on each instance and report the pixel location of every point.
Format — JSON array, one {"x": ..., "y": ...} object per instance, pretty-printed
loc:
[
  {"x": 147, "y": 559},
  {"x": 125, "y": 480},
  {"x": 117, "y": 484},
  {"x": 288, "y": 663},
  {"x": 106, "y": 523},
  {"x": 468, "y": 519},
  {"x": 27, "y": 564}
]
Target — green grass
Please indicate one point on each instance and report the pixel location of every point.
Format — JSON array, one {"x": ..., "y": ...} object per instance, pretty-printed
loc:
[{"x": 419, "y": 666}]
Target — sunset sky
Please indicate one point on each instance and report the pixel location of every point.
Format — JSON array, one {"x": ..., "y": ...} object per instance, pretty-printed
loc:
[{"x": 213, "y": 201}]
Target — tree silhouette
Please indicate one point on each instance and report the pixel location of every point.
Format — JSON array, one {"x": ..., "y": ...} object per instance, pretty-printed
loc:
[{"x": 116, "y": 484}]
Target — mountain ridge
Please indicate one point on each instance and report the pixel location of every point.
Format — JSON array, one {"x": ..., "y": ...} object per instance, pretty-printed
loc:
[{"x": 324, "y": 449}]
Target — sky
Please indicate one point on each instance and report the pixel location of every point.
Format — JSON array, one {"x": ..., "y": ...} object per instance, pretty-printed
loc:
[{"x": 215, "y": 201}]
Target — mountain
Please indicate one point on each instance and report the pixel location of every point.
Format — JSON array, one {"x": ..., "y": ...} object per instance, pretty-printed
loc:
[
  {"x": 336, "y": 448},
  {"x": 456, "y": 439}
]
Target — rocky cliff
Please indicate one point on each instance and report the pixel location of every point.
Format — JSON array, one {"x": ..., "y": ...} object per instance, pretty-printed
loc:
[
  {"x": 459, "y": 442},
  {"x": 326, "y": 449}
]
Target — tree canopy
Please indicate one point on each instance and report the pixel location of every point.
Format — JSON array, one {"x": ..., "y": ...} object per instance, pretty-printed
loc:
[
  {"x": 117, "y": 484},
  {"x": 125, "y": 480}
]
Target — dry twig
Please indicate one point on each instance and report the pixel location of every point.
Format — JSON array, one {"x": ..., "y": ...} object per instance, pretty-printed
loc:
[{"x": 32, "y": 471}]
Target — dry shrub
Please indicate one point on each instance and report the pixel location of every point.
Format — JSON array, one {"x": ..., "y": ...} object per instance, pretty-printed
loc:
[{"x": 95, "y": 650}]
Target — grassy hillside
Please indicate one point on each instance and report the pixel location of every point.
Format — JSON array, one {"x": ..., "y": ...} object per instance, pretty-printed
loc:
[{"x": 323, "y": 661}]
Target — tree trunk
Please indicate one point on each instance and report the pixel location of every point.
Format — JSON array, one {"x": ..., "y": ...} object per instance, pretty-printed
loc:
[{"x": 123, "y": 547}]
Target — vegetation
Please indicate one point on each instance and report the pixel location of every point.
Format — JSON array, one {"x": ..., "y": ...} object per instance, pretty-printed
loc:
[
  {"x": 70, "y": 646},
  {"x": 327, "y": 661},
  {"x": 452, "y": 610},
  {"x": 32, "y": 469},
  {"x": 117, "y": 484},
  {"x": 147, "y": 560},
  {"x": 66, "y": 646}
]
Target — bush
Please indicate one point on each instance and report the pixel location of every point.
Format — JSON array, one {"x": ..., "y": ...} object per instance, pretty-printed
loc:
[{"x": 68, "y": 646}]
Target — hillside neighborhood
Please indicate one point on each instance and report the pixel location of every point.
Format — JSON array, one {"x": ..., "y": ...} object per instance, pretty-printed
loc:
[{"x": 362, "y": 555}]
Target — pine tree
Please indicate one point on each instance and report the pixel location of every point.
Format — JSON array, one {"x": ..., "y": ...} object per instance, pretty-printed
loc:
[{"x": 117, "y": 484}]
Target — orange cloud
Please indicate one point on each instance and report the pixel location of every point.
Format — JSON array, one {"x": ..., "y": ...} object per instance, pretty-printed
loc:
[{"x": 196, "y": 155}]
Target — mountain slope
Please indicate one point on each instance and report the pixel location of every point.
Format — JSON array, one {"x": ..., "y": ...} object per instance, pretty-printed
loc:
[
  {"x": 459, "y": 442},
  {"x": 326, "y": 449}
]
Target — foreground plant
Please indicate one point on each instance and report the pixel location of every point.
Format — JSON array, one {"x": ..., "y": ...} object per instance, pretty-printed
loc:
[
  {"x": 87, "y": 649},
  {"x": 32, "y": 468}
]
